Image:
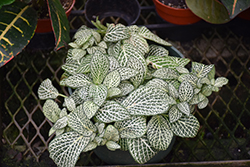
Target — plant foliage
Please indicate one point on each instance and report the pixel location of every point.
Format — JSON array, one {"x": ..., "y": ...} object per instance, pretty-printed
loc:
[{"x": 127, "y": 95}]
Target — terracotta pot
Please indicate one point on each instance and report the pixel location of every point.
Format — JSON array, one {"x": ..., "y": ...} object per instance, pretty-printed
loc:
[
  {"x": 44, "y": 25},
  {"x": 245, "y": 14},
  {"x": 175, "y": 15}
]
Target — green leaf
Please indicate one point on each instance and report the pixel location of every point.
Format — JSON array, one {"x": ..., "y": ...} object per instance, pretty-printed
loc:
[
  {"x": 66, "y": 148},
  {"x": 112, "y": 111},
  {"x": 79, "y": 122},
  {"x": 167, "y": 62},
  {"x": 147, "y": 101},
  {"x": 157, "y": 51},
  {"x": 207, "y": 90},
  {"x": 211, "y": 11},
  {"x": 51, "y": 110},
  {"x": 60, "y": 123},
  {"x": 203, "y": 103},
  {"x": 158, "y": 83},
  {"x": 197, "y": 98},
  {"x": 146, "y": 33},
  {"x": 186, "y": 126},
  {"x": 6, "y": 2},
  {"x": 111, "y": 133},
  {"x": 141, "y": 150},
  {"x": 76, "y": 54},
  {"x": 165, "y": 73},
  {"x": 90, "y": 108},
  {"x": 220, "y": 81},
  {"x": 132, "y": 128},
  {"x": 174, "y": 114},
  {"x": 185, "y": 91},
  {"x": 127, "y": 73},
  {"x": 18, "y": 24},
  {"x": 99, "y": 67},
  {"x": 116, "y": 33},
  {"x": 76, "y": 81},
  {"x": 184, "y": 108},
  {"x": 70, "y": 103},
  {"x": 159, "y": 132},
  {"x": 111, "y": 145},
  {"x": 47, "y": 91},
  {"x": 98, "y": 93},
  {"x": 60, "y": 23},
  {"x": 112, "y": 79},
  {"x": 201, "y": 70},
  {"x": 90, "y": 146},
  {"x": 182, "y": 70},
  {"x": 112, "y": 92}
]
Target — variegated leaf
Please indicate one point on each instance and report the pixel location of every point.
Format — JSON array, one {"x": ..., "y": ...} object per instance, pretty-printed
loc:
[
  {"x": 197, "y": 98},
  {"x": 76, "y": 54},
  {"x": 66, "y": 148},
  {"x": 132, "y": 128},
  {"x": 63, "y": 113},
  {"x": 70, "y": 103},
  {"x": 158, "y": 83},
  {"x": 133, "y": 29},
  {"x": 147, "y": 101},
  {"x": 90, "y": 108},
  {"x": 125, "y": 87},
  {"x": 79, "y": 122},
  {"x": 76, "y": 97},
  {"x": 111, "y": 133},
  {"x": 127, "y": 73},
  {"x": 112, "y": 79},
  {"x": 82, "y": 37},
  {"x": 111, "y": 145},
  {"x": 186, "y": 126},
  {"x": 165, "y": 73},
  {"x": 102, "y": 44},
  {"x": 139, "y": 43},
  {"x": 157, "y": 51},
  {"x": 79, "y": 32},
  {"x": 90, "y": 146},
  {"x": 182, "y": 70},
  {"x": 47, "y": 91},
  {"x": 60, "y": 131},
  {"x": 172, "y": 91},
  {"x": 51, "y": 110},
  {"x": 98, "y": 93},
  {"x": 140, "y": 149},
  {"x": 184, "y": 108},
  {"x": 203, "y": 103},
  {"x": 113, "y": 63},
  {"x": 100, "y": 127},
  {"x": 207, "y": 90},
  {"x": 111, "y": 111},
  {"x": 70, "y": 66},
  {"x": 211, "y": 74},
  {"x": 112, "y": 92},
  {"x": 84, "y": 67},
  {"x": 127, "y": 50},
  {"x": 159, "y": 132},
  {"x": 146, "y": 33},
  {"x": 192, "y": 79},
  {"x": 174, "y": 114},
  {"x": 60, "y": 123},
  {"x": 123, "y": 143},
  {"x": 220, "y": 81},
  {"x": 99, "y": 67},
  {"x": 76, "y": 81},
  {"x": 83, "y": 93},
  {"x": 185, "y": 91},
  {"x": 116, "y": 33},
  {"x": 96, "y": 36},
  {"x": 114, "y": 49},
  {"x": 201, "y": 70},
  {"x": 93, "y": 49},
  {"x": 167, "y": 62}
]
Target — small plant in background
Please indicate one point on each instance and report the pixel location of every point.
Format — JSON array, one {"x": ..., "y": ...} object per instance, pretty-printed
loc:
[{"x": 127, "y": 94}]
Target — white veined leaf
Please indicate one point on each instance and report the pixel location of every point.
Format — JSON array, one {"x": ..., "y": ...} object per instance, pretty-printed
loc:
[
  {"x": 111, "y": 133},
  {"x": 126, "y": 52},
  {"x": 192, "y": 79},
  {"x": 76, "y": 97},
  {"x": 60, "y": 123},
  {"x": 165, "y": 73},
  {"x": 84, "y": 67},
  {"x": 98, "y": 93},
  {"x": 66, "y": 148},
  {"x": 132, "y": 128},
  {"x": 207, "y": 90},
  {"x": 141, "y": 150},
  {"x": 201, "y": 70},
  {"x": 112, "y": 92},
  {"x": 51, "y": 131},
  {"x": 146, "y": 33},
  {"x": 215, "y": 89},
  {"x": 102, "y": 44},
  {"x": 156, "y": 50},
  {"x": 47, "y": 91},
  {"x": 113, "y": 63},
  {"x": 76, "y": 81},
  {"x": 203, "y": 103},
  {"x": 172, "y": 91},
  {"x": 111, "y": 145},
  {"x": 97, "y": 36},
  {"x": 99, "y": 67},
  {"x": 197, "y": 98},
  {"x": 51, "y": 110},
  {"x": 159, "y": 132},
  {"x": 158, "y": 83},
  {"x": 123, "y": 143},
  {"x": 70, "y": 103},
  {"x": 114, "y": 49},
  {"x": 93, "y": 49},
  {"x": 182, "y": 70},
  {"x": 139, "y": 43},
  {"x": 125, "y": 87},
  {"x": 76, "y": 54},
  {"x": 133, "y": 29},
  {"x": 78, "y": 121},
  {"x": 83, "y": 93},
  {"x": 184, "y": 108},
  {"x": 79, "y": 31},
  {"x": 147, "y": 101},
  {"x": 113, "y": 79},
  {"x": 116, "y": 33},
  {"x": 111, "y": 111},
  {"x": 186, "y": 126},
  {"x": 90, "y": 146},
  {"x": 174, "y": 114},
  {"x": 82, "y": 37},
  {"x": 70, "y": 66},
  {"x": 211, "y": 74},
  {"x": 134, "y": 63},
  {"x": 100, "y": 127},
  {"x": 167, "y": 62},
  {"x": 204, "y": 80},
  {"x": 63, "y": 113},
  {"x": 73, "y": 45},
  {"x": 220, "y": 81},
  {"x": 60, "y": 131},
  {"x": 185, "y": 91},
  {"x": 90, "y": 108},
  {"x": 127, "y": 73}
]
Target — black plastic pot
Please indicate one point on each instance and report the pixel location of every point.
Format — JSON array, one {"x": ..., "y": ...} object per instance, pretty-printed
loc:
[
  {"x": 128, "y": 10},
  {"x": 119, "y": 157}
]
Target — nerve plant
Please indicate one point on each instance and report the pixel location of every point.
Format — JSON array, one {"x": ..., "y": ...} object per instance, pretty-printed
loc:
[{"x": 127, "y": 94}]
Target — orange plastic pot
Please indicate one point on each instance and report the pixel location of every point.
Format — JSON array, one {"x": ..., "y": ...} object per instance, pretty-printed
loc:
[
  {"x": 44, "y": 25},
  {"x": 175, "y": 15}
]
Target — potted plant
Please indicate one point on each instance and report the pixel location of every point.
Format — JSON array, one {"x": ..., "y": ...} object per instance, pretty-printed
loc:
[
  {"x": 127, "y": 94},
  {"x": 175, "y": 11},
  {"x": 217, "y": 11},
  {"x": 19, "y": 22}
]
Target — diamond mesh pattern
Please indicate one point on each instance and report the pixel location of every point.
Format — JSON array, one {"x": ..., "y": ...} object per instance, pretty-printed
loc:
[{"x": 224, "y": 132}]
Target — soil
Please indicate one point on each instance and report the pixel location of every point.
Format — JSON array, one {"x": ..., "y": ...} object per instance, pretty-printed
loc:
[{"x": 180, "y": 4}]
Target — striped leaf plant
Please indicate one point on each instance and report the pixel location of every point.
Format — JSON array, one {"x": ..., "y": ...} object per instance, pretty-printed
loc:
[{"x": 127, "y": 94}]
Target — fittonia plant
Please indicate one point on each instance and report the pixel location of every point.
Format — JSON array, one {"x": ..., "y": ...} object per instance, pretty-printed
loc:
[{"x": 127, "y": 94}]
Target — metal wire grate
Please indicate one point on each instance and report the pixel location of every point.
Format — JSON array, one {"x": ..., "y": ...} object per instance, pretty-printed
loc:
[{"x": 224, "y": 132}]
